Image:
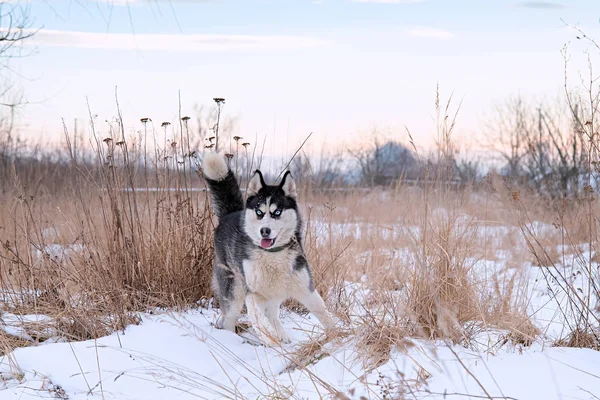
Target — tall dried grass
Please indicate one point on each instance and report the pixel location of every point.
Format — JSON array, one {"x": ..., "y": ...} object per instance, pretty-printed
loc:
[
  {"x": 122, "y": 232},
  {"x": 91, "y": 241}
]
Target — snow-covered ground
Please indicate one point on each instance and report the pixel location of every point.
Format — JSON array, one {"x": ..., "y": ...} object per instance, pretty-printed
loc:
[{"x": 182, "y": 356}]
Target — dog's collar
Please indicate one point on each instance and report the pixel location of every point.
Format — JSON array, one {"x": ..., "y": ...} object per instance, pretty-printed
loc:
[
  {"x": 280, "y": 248},
  {"x": 276, "y": 249}
]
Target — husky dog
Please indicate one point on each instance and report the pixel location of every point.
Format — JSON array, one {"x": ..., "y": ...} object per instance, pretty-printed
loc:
[{"x": 259, "y": 255}]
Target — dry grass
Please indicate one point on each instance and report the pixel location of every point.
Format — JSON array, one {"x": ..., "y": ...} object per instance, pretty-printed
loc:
[
  {"x": 92, "y": 238},
  {"x": 131, "y": 231},
  {"x": 398, "y": 270},
  {"x": 96, "y": 251}
]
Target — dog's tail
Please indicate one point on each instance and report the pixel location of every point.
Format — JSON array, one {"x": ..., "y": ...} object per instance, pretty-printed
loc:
[{"x": 224, "y": 188}]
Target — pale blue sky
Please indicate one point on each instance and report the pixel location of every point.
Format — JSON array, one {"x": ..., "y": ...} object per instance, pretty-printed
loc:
[{"x": 290, "y": 67}]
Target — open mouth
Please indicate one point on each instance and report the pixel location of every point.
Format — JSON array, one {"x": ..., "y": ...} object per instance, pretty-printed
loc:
[{"x": 267, "y": 243}]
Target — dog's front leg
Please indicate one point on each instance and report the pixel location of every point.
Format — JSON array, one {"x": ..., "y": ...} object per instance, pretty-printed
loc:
[
  {"x": 257, "y": 312},
  {"x": 272, "y": 313}
]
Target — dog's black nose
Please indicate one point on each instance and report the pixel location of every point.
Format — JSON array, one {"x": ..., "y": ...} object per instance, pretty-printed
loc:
[{"x": 265, "y": 232}]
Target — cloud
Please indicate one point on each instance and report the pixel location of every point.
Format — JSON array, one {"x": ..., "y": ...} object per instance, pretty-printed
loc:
[
  {"x": 139, "y": 2},
  {"x": 547, "y": 5},
  {"x": 169, "y": 42},
  {"x": 388, "y": 1},
  {"x": 109, "y": 2},
  {"x": 119, "y": 2},
  {"x": 423, "y": 31}
]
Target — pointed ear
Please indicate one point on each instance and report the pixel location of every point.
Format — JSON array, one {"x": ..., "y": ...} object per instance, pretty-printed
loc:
[
  {"x": 256, "y": 183},
  {"x": 288, "y": 185}
]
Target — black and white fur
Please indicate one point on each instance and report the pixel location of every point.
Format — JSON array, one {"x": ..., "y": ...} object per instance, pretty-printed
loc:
[{"x": 259, "y": 255}]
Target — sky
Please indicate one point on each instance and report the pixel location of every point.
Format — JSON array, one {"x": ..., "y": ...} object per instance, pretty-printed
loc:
[{"x": 336, "y": 68}]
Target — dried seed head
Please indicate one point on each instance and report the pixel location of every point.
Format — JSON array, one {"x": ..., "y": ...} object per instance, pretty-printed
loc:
[
  {"x": 237, "y": 138},
  {"x": 107, "y": 140},
  {"x": 210, "y": 139},
  {"x": 166, "y": 123},
  {"x": 246, "y": 144},
  {"x": 516, "y": 196},
  {"x": 186, "y": 118},
  {"x": 229, "y": 156},
  {"x": 145, "y": 120},
  {"x": 209, "y": 146},
  {"x": 219, "y": 100},
  {"x": 173, "y": 144},
  {"x": 120, "y": 143}
]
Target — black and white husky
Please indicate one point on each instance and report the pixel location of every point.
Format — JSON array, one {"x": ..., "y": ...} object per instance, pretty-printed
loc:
[{"x": 259, "y": 255}]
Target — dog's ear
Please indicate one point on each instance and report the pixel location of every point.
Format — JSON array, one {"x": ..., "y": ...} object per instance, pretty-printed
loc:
[
  {"x": 288, "y": 185},
  {"x": 256, "y": 183}
]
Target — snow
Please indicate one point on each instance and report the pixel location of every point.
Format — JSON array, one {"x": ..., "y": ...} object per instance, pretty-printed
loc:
[
  {"x": 22, "y": 326},
  {"x": 58, "y": 252},
  {"x": 555, "y": 373},
  {"x": 182, "y": 356},
  {"x": 167, "y": 356}
]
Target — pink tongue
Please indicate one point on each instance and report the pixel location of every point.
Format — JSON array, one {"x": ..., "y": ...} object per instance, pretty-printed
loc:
[{"x": 266, "y": 243}]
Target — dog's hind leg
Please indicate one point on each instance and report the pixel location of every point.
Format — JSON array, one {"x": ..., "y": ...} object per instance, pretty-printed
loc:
[
  {"x": 231, "y": 310},
  {"x": 315, "y": 304},
  {"x": 231, "y": 297},
  {"x": 308, "y": 295}
]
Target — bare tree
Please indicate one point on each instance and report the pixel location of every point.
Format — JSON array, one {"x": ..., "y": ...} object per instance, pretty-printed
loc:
[
  {"x": 539, "y": 145},
  {"x": 15, "y": 29},
  {"x": 506, "y": 134},
  {"x": 382, "y": 162},
  {"x": 323, "y": 170},
  {"x": 583, "y": 99},
  {"x": 467, "y": 168}
]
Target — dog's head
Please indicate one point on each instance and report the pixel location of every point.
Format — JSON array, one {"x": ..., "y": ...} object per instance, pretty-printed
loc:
[{"x": 271, "y": 211}]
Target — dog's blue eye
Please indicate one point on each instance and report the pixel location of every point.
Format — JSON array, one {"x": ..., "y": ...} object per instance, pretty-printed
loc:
[
  {"x": 259, "y": 213},
  {"x": 277, "y": 212}
]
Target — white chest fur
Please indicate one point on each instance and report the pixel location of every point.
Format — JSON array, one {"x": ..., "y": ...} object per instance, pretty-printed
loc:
[{"x": 272, "y": 275}]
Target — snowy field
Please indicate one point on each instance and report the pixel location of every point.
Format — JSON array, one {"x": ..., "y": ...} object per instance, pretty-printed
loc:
[
  {"x": 183, "y": 357},
  {"x": 180, "y": 355}
]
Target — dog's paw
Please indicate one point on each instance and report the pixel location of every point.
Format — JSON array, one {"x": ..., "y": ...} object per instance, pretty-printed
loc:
[
  {"x": 227, "y": 324},
  {"x": 330, "y": 322},
  {"x": 284, "y": 338},
  {"x": 269, "y": 340},
  {"x": 274, "y": 340}
]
